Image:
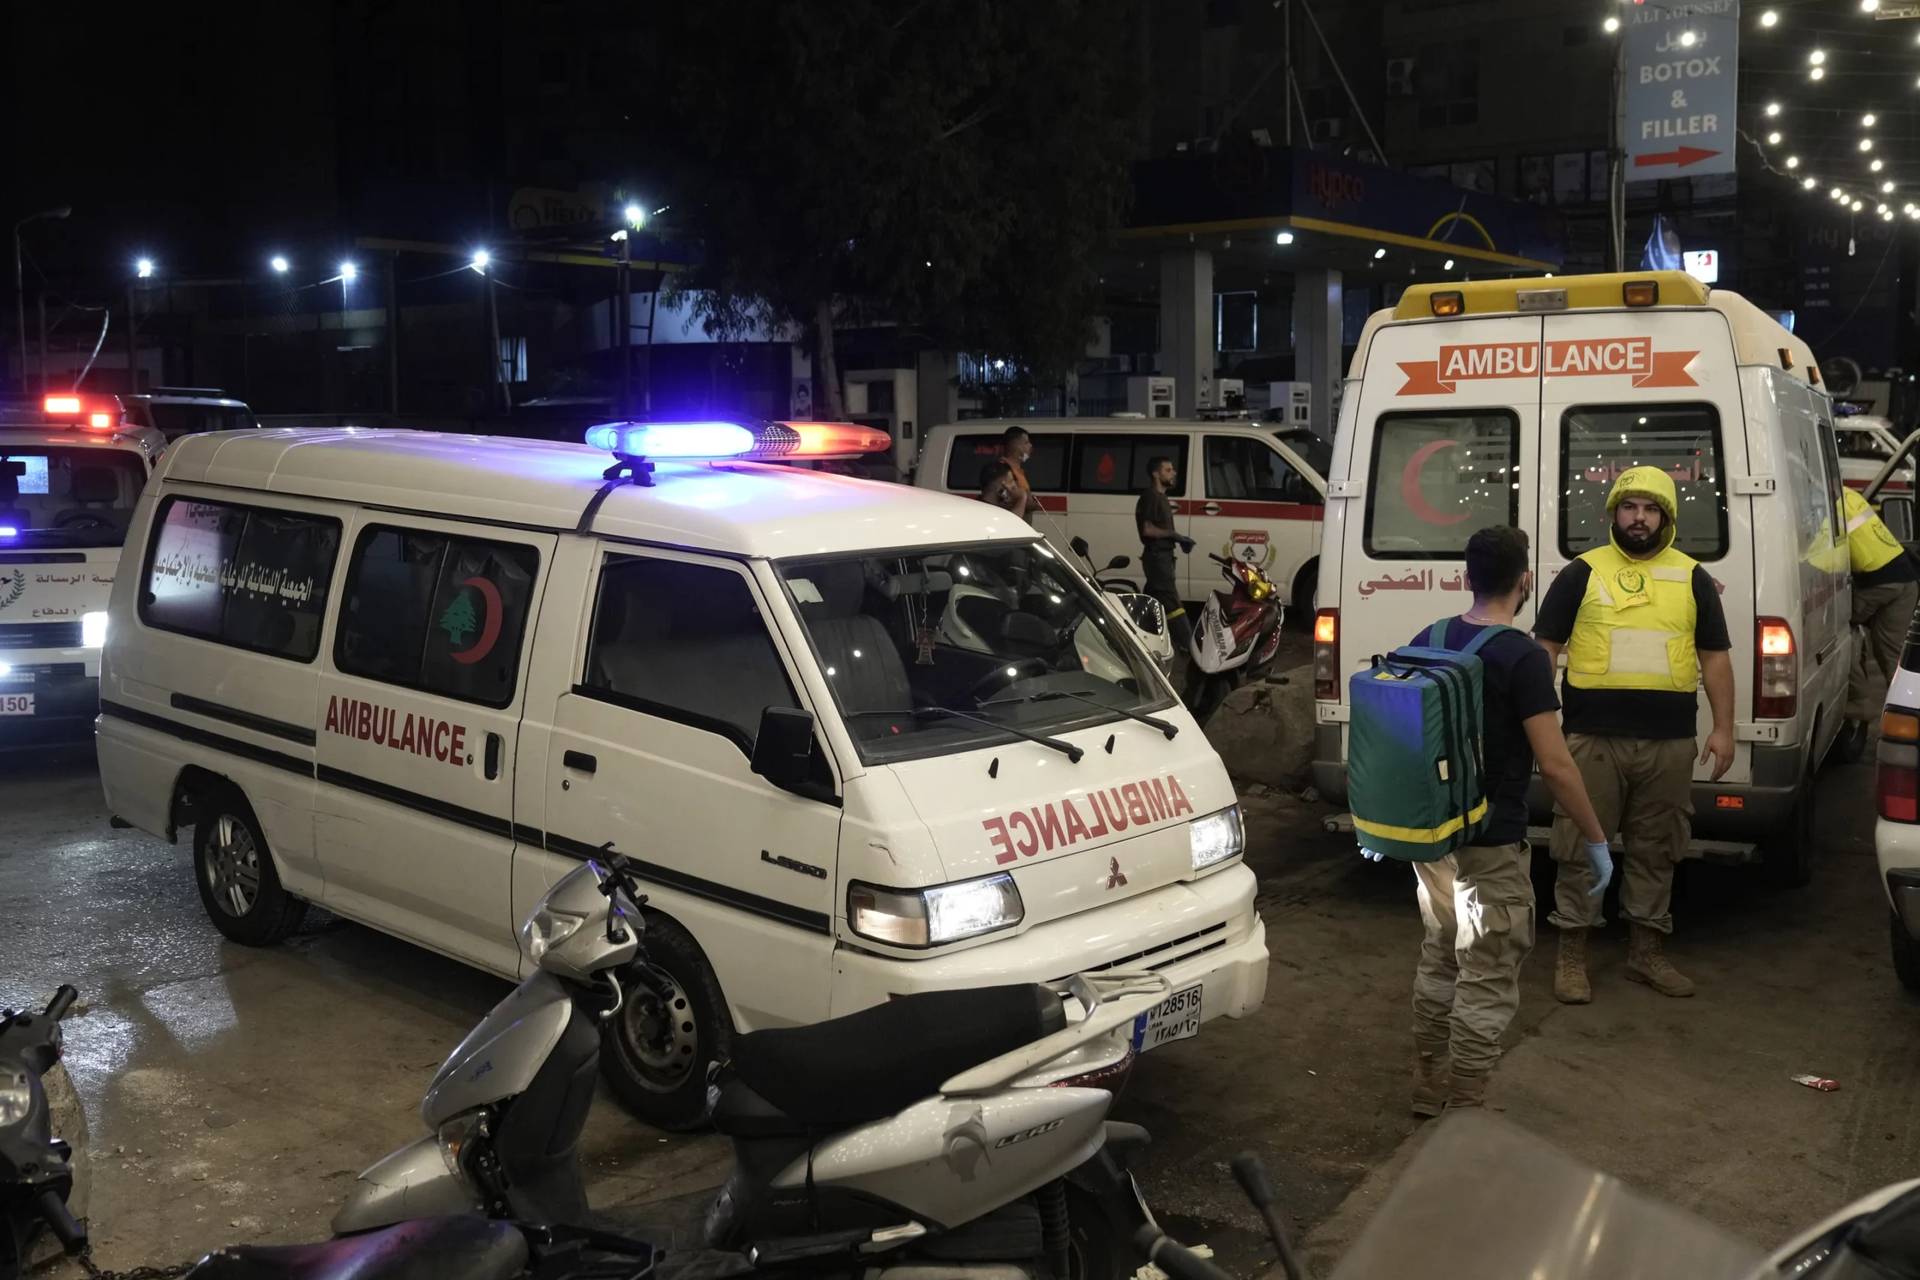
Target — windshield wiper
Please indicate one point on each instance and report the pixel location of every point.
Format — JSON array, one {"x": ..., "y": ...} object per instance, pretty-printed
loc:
[
  {"x": 1048, "y": 695},
  {"x": 1066, "y": 749}
]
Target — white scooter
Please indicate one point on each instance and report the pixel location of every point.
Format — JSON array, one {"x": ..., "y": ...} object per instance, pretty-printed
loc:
[{"x": 961, "y": 1131}]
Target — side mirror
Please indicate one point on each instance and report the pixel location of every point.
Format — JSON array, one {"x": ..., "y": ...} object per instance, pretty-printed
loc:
[
  {"x": 783, "y": 751},
  {"x": 1078, "y": 543},
  {"x": 1898, "y": 514},
  {"x": 1118, "y": 562}
]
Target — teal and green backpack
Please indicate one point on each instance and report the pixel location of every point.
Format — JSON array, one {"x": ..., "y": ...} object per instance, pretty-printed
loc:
[{"x": 1416, "y": 748}]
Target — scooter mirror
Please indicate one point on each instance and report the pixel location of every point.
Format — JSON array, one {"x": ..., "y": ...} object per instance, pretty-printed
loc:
[
  {"x": 1078, "y": 543},
  {"x": 1119, "y": 562}
]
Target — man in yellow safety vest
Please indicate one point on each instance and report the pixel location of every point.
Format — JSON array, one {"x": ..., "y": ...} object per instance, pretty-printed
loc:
[
  {"x": 1885, "y": 586},
  {"x": 1640, "y": 624}
]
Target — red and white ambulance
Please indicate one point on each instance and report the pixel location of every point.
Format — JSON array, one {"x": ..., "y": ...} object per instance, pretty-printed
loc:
[
  {"x": 71, "y": 469},
  {"x": 861, "y": 740},
  {"x": 1519, "y": 402}
]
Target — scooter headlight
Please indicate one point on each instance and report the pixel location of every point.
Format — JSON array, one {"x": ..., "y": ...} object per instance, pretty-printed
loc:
[
  {"x": 546, "y": 929},
  {"x": 457, "y": 1135},
  {"x": 1217, "y": 838},
  {"x": 16, "y": 1097}
]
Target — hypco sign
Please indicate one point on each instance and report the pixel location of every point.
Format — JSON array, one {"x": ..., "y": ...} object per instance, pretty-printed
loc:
[
  {"x": 1702, "y": 264},
  {"x": 1573, "y": 358},
  {"x": 1680, "y": 67}
]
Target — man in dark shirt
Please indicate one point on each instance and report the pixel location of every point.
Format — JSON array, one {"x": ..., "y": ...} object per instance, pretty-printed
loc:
[
  {"x": 1641, "y": 626},
  {"x": 1153, "y": 514},
  {"x": 1477, "y": 902},
  {"x": 1883, "y": 602}
]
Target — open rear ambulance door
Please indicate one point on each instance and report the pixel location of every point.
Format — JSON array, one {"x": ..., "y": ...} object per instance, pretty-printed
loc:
[{"x": 1653, "y": 387}]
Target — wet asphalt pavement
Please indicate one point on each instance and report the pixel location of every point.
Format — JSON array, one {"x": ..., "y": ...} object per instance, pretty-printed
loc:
[{"x": 233, "y": 1093}]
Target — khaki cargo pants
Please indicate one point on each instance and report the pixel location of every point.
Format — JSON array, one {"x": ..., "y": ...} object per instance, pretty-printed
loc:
[
  {"x": 1478, "y": 906},
  {"x": 1643, "y": 789},
  {"x": 1886, "y": 612}
]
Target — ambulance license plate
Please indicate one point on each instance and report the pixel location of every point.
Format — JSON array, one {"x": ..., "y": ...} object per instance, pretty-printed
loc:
[
  {"x": 1175, "y": 1018},
  {"x": 16, "y": 704}
]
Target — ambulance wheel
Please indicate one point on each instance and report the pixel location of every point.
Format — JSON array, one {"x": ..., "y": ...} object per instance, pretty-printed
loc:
[
  {"x": 234, "y": 868},
  {"x": 1304, "y": 588},
  {"x": 674, "y": 1026},
  {"x": 1789, "y": 854},
  {"x": 1906, "y": 952}
]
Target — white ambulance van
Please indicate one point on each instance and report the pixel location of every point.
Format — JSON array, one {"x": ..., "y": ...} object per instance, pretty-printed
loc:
[
  {"x": 864, "y": 741},
  {"x": 1246, "y": 489},
  {"x": 71, "y": 470},
  {"x": 1519, "y": 402}
]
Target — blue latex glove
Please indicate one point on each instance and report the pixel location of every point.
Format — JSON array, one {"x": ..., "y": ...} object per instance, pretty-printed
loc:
[
  {"x": 1600, "y": 859},
  {"x": 1371, "y": 856}
]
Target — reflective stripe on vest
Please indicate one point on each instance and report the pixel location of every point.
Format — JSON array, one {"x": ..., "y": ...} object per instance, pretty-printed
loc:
[
  {"x": 1870, "y": 544},
  {"x": 1635, "y": 625}
]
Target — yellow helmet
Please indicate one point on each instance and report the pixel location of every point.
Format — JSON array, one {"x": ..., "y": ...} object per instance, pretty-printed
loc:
[{"x": 1656, "y": 486}]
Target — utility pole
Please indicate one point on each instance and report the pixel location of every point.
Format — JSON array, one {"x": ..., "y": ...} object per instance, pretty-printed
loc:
[
  {"x": 393, "y": 338},
  {"x": 1616, "y": 162},
  {"x": 133, "y": 344},
  {"x": 625, "y": 306},
  {"x": 1286, "y": 56},
  {"x": 499, "y": 372}
]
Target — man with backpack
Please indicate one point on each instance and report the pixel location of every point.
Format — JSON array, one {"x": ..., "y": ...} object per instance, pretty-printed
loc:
[{"x": 1492, "y": 686}]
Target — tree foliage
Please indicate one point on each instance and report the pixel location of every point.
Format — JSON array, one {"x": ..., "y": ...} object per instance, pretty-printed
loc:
[{"x": 952, "y": 165}]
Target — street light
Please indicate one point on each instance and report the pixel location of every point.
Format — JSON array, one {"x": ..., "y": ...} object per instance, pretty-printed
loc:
[
  {"x": 1769, "y": 17},
  {"x": 1285, "y": 237},
  {"x": 1773, "y": 139},
  {"x": 1816, "y": 57},
  {"x": 1867, "y": 120},
  {"x": 1869, "y": 6},
  {"x": 1689, "y": 38},
  {"x": 1611, "y": 25},
  {"x": 348, "y": 273},
  {"x": 144, "y": 268},
  {"x": 279, "y": 264},
  {"x": 1818, "y": 73},
  {"x": 1877, "y": 164},
  {"x": 1858, "y": 205},
  {"x": 1809, "y": 182},
  {"x": 636, "y": 216},
  {"x": 481, "y": 260},
  {"x": 1836, "y": 193},
  {"x": 1886, "y": 188},
  {"x": 1866, "y": 144},
  {"x": 1793, "y": 162},
  {"x": 19, "y": 283},
  {"x": 1773, "y": 108}
]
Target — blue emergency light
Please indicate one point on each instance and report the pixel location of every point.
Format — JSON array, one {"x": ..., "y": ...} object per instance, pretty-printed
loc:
[{"x": 671, "y": 439}]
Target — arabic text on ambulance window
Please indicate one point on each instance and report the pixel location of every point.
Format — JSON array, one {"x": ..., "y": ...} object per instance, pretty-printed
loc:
[
  {"x": 249, "y": 577},
  {"x": 1598, "y": 442}
]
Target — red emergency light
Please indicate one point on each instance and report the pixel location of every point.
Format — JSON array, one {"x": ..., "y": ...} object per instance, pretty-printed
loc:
[
  {"x": 96, "y": 413},
  {"x": 817, "y": 440}
]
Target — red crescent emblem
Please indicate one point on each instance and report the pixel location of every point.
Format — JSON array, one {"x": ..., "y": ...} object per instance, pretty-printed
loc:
[
  {"x": 1410, "y": 486},
  {"x": 489, "y": 629}
]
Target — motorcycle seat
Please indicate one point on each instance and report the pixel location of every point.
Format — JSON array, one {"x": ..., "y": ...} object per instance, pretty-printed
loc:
[
  {"x": 871, "y": 1064},
  {"x": 468, "y": 1246}
]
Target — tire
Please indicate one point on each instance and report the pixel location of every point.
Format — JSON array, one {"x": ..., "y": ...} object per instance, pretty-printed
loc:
[
  {"x": 1906, "y": 953},
  {"x": 1303, "y": 592},
  {"x": 234, "y": 868},
  {"x": 674, "y": 1027},
  {"x": 1097, "y": 1248},
  {"x": 1788, "y": 856},
  {"x": 1851, "y": 744}
]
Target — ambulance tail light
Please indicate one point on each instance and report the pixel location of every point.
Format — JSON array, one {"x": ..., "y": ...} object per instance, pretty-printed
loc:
[
  {"x": 1897, "y": 786},
  {"x": 1641, "y": 293},
  {"x": 1776, "y": 670},
  {"x": 1450, "y": 302},
  {"x": 1326, "y": 655}
]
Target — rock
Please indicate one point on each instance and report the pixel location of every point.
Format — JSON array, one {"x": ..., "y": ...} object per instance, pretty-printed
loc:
[{"x": 1264, "y": 732}]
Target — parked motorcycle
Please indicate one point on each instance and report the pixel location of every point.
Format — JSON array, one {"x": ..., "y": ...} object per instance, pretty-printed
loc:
[
  {"x": 963, "y": 1131},
  {"x": 1148, "y": 615},
  {"x": 1236, "y": 639},
  {"x": 37, "y": 1166}
]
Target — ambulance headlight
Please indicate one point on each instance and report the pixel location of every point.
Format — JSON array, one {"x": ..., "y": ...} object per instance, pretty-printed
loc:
[
  {"x": 93, "y": 630},
  {"x": 1217, "y": 838},
  {"x": 546, "y": 929},
  {"x": 930, "y": 917}
]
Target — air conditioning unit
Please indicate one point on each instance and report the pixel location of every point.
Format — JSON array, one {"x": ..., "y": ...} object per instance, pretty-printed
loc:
[
  {"x": 1109, "y": 364},
  {"x": 1329, "y": 129},
  {"x": 1399, "y": 77}
]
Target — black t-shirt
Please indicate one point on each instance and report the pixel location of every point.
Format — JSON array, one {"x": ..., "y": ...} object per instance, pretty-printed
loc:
[
  {"x": 1897, "y": 570},
  {"x": 1630, "y": 713},
  {"x": 1516, "y": 684},
  {"x": 1153, "y": 508}
]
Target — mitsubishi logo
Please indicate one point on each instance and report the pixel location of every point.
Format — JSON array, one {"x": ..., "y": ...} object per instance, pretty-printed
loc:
[{"x": 1116, "y": 878}]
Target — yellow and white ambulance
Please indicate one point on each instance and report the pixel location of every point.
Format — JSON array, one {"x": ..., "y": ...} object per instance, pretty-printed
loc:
[
  {"x": 862, "y": 740},
  {"x": 71, "y": 469},
  {"x": 1519, "y": 402}
]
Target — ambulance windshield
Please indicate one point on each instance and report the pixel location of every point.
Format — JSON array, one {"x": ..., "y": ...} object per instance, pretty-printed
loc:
[
  {"x": 56, "y": 496},
  {"x": 1005, "y": 638}
]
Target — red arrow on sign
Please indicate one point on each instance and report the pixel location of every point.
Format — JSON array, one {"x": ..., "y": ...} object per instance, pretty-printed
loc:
[{"x": 1679, "y": 157}]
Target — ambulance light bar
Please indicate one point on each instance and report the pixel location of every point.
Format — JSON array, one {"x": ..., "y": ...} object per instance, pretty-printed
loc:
[
  {"x": 1608, "y": 290},
  {"x": 717, "y": 441},
  {"x": 1448, "y": 303},
  {"x": 99, "y": 412}
]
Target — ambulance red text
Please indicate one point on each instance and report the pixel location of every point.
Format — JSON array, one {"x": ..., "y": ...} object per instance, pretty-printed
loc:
[
  {"x": 1027, "y": 832},
  {"x": 440, "y": 740}
]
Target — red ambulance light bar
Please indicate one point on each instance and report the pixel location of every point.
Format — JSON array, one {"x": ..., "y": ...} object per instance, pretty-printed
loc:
[
  {"x": 819, "y": 440},
  {"x": 96, "y": 413}
]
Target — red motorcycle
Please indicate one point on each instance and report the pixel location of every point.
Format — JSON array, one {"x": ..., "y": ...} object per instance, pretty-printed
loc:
[{"x": 1236, "y": 638}]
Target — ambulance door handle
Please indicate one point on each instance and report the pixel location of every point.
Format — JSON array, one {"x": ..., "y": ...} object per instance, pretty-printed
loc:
[
  {"x": 1211, "y": 509},
  {"x": 580, "y": 760},
  {"x": 495, "y": 744}
]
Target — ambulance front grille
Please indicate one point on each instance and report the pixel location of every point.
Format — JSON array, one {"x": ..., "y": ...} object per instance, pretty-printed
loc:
[
  {"x": 1168, "y": 953},
  {"x": 39, "y": 635}
]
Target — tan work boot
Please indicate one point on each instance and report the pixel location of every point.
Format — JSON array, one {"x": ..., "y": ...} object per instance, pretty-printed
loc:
[
  {"x": 1570, "y": 985},
  {"x": 1647, "y": 963},
  {"x": 1467, "y": 1091},
  {"x": 1430, "y": 1076}
]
